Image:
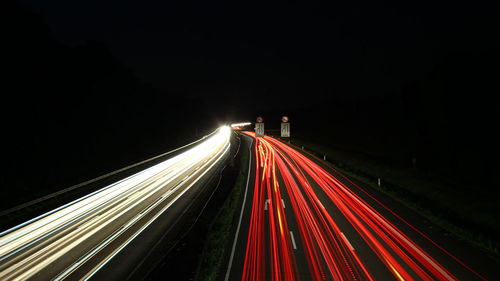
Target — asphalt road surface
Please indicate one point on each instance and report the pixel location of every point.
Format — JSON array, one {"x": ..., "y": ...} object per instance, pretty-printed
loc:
[{"x": 303, "y": 220}]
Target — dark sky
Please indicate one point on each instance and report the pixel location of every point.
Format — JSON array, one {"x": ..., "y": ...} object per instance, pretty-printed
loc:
[
  {"x": 216, "y": 49},
  {"x": 391, "y": 79}
]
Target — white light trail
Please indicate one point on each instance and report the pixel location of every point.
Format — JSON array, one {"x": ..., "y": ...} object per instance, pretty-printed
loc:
[
  {"x": 59, "y": 241},
  {"x": 241, "y": 124}
]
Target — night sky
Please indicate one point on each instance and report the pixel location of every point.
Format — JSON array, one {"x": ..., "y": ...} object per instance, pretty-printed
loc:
[
  {"x": 214, "y": 49},
  {"x": 94, "y": 85}
]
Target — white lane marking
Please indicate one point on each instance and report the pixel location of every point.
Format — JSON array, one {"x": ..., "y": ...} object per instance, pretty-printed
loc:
[
  {"x": 265, "y": 204},
  {"x": 348, "y": 243},
  {"x": 293, "y": 241},
  {"x": 241, "y": 214},
  {"x": 283, "y": 202}
]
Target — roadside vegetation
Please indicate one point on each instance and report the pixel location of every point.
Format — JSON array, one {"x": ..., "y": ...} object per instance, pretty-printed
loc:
[
  {"x": 459, "y": 209},
  {"x": 219, "y": 239}
]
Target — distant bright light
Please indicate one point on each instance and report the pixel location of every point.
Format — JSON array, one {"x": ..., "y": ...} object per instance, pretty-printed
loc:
[{"x": 241, "y": 124}]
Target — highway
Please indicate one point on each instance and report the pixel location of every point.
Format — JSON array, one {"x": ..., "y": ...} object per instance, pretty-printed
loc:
[
  {"x": 76, "y": 241},
  {"x": 303, "y": 220}
]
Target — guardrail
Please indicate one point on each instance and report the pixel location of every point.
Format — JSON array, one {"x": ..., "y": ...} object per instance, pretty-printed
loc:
[{"x": 76, "y": 186}]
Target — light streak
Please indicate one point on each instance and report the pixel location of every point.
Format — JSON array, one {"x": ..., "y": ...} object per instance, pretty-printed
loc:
[
  {"x": 239, "y": 126},
  {"x": 325, "y": 246},
  {"x": 59, "y": 242}
]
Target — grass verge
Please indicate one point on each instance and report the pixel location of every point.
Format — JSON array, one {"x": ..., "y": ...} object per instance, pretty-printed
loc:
[{"x": 216, "y": 244}]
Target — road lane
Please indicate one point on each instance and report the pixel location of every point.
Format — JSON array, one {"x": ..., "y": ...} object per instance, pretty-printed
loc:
[
  {"x": 88, "y": 232},
  {"x": 460, "y": 257},
  {"x": 342, "y": 235}
]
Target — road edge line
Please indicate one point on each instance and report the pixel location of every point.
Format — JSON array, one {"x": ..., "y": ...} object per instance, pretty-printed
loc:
[{"x": 241, "y": 215}]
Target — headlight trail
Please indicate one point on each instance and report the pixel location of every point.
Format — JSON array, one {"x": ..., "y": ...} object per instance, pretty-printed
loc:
[
  {"x": 91, "y": 230},
  {"x": 283, "y": 172}
]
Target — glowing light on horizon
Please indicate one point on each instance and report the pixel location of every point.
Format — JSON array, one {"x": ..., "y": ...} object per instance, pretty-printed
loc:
[{"x": 241, "y": 124}]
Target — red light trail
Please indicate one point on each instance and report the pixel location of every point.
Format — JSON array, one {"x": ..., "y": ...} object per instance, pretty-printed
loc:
[{"x": 283, "y": 172}]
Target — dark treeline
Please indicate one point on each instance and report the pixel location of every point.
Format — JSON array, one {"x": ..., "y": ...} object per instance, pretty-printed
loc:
[{"x": 73, "y": 113}]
